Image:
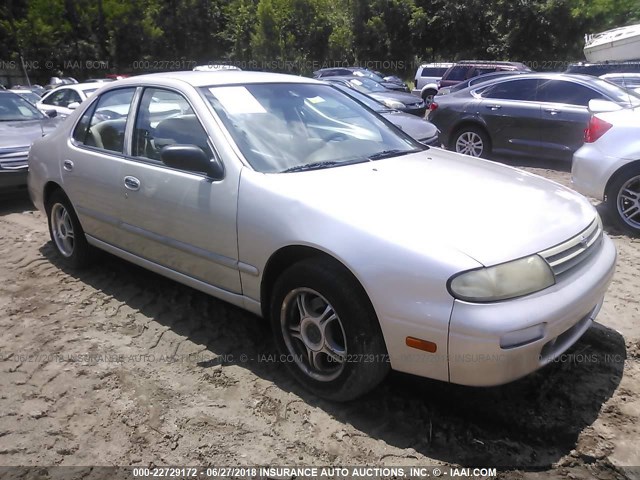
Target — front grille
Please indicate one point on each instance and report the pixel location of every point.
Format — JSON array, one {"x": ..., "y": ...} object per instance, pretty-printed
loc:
[
  {"x": 14, "y": 158},
  {"x": 574, "y": 251}
]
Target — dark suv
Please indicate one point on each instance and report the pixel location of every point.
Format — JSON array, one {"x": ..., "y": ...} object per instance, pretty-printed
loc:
[
  {"x": 598, "y": 69},
  {"x": 467, "y": 69}
]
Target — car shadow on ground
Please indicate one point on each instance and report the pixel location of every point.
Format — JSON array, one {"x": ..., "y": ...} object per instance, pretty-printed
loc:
[
  {"x": 533, "y": 162},
  {"x": 528, "y": 424},
  {"x": 15, "y": 202}
]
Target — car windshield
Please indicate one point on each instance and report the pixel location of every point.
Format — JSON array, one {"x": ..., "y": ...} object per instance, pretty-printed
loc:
[
  {"x": 284, "y": 127},
  {"x": 617, "y": 93},
  {"x": 30, "y": 97},
  {"x": 15, "y": 108}
]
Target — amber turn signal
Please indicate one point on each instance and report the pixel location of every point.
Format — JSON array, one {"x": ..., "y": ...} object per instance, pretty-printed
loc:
[{"x": 421, "y": 344}]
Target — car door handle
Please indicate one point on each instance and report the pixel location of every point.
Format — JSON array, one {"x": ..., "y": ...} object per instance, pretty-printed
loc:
[
  {"x": 552, "y": 111},
  {"x": 67, "y": 165},
  {"x": 493, "y": 107},
  {"x": 132, "y": 183}
]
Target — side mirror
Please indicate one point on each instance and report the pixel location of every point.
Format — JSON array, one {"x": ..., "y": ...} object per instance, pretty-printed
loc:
[
  {"x": 602, "y": 106},
  {"x": 191, "y": 158},
  {"x": 73, "y": 105},
  {"x": 51, "y": 113}
]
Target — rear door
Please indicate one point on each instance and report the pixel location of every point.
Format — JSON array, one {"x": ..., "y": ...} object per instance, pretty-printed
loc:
[
  {"x": 512, "y": 115},
  {"x": 564, "y": 116},
  {"x": 91, "y": 168}
]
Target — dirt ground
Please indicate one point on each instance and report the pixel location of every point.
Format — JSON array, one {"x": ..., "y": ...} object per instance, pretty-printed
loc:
[{"x": 118, "y": 366}]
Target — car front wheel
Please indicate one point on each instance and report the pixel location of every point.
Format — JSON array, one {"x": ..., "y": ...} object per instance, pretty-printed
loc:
[
  {"x": 66, "y": 232},
  {"x": 472, "y": 141},
  {"x": 623, "y": 201},
  {"x": 428, "y": 97},
  {"x": 326, "y": 330}
]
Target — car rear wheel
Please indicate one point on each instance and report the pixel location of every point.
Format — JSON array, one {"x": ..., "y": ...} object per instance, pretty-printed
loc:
[
  {"x": 326, "y": 330},
  {"x": 66, "y": 232},
  {"x": 623, "y": 201},
  {"x": 472, "y": 141}
]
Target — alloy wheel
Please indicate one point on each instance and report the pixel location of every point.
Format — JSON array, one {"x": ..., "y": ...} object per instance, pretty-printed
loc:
[
  {"x": 470, "y": 143},
  {"x": 313, "y": 334},
  {"x": 62, "y": 229},
  {"x": 628, "y": 202}
]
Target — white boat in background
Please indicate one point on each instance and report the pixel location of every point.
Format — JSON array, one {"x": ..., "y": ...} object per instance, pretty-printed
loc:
[{"x": 619, "y": 44}]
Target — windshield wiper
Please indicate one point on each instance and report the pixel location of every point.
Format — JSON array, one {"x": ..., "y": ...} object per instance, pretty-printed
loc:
[
  {"x": 321, "y": 165},
  {"x": 391, "y": 153}
]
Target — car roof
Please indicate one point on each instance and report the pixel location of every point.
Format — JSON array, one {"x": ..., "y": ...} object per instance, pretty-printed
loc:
[
  {"x": 81, "y": 86},
  {"x": 216, "y": 77},
  {"x": 550, "y": 76}
]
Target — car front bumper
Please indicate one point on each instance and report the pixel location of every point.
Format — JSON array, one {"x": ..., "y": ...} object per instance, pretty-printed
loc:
[
  {"x": 10, "y": 179},
  {"x": 565, "y": 311}
]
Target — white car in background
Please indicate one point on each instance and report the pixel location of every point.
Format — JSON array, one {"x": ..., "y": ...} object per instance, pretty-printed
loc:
[
  {"x": 67, "y": 98},
  {"x": 607, "y": 166},
  {"x": 427, "y": 77}
]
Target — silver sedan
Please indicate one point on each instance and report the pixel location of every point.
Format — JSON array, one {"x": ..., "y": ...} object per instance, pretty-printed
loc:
[{"x": 364, "y": 248}]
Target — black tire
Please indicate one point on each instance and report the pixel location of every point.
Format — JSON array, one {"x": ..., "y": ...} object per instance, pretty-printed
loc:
[
  {"x": 366, "y": 360},
  {"x": 471, "y": 133},
  {"x": 428, "y": 96},
  {"x": 76, "y": 253},
  {"x": 628, "y": 179}
]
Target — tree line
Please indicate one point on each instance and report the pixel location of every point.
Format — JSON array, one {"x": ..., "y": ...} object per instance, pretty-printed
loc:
[{"x": 88, "y": 38}]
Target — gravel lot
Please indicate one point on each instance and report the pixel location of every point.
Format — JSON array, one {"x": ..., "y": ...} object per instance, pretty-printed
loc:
[{"x": 118, "y": 366}]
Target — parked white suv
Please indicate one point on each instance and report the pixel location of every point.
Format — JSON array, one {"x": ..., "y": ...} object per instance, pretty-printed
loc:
[
  {"x": 426, "y": 81},
  {"x": 607, "y": 166}
]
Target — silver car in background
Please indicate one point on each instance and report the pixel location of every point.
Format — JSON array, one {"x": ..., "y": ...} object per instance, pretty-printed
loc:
[
  {"x": 607, "y": 166},
  {"x": 366, "y": 249}
]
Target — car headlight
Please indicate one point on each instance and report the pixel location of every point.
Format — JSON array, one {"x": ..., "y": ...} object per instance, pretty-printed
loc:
[
  {"x": 507, "y": 280},
  {"x": 393, "y": 104}
]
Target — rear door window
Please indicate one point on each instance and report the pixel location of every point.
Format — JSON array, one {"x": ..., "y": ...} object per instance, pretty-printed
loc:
[
  {"x": 522, "y": 90},
  {"x": 563, "y": 91},
  {"x": 103, "y": 125}
]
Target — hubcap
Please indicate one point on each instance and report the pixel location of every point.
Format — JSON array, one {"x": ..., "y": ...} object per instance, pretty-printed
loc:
[
  {"x": 628, "y": 202},
  {"x": 469, "y": 143},
  {"x": 313, "y": 334},
  {"x": 428, "y": 100},
  {"x": 62, "y": 228}
]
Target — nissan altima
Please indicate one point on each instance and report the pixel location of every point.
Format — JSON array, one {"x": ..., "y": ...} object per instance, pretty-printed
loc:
[{"x": 365, "y": 249}]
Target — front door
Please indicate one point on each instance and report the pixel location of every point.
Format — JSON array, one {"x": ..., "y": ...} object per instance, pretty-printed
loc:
[{"x": 178, "y": 219}]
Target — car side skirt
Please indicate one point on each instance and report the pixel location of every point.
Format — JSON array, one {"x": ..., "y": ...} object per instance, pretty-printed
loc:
[{"x": 233, "y": 298}]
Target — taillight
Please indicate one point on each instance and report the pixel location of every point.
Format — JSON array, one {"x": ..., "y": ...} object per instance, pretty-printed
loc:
[
  {"x": 433, "y": 106},
  {"x": 596, "y": 128}
]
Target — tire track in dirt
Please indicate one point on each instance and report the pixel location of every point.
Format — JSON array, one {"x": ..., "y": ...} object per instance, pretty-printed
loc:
[{"x": 138, "y": 369}]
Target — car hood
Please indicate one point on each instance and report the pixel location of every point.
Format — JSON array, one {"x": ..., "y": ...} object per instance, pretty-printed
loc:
[
  {"x": 490, "y": 212},
  {"x": 404, "y": 98},
  {"x": 24, "y": 133},
  {"x": 415, "y": 127}
]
